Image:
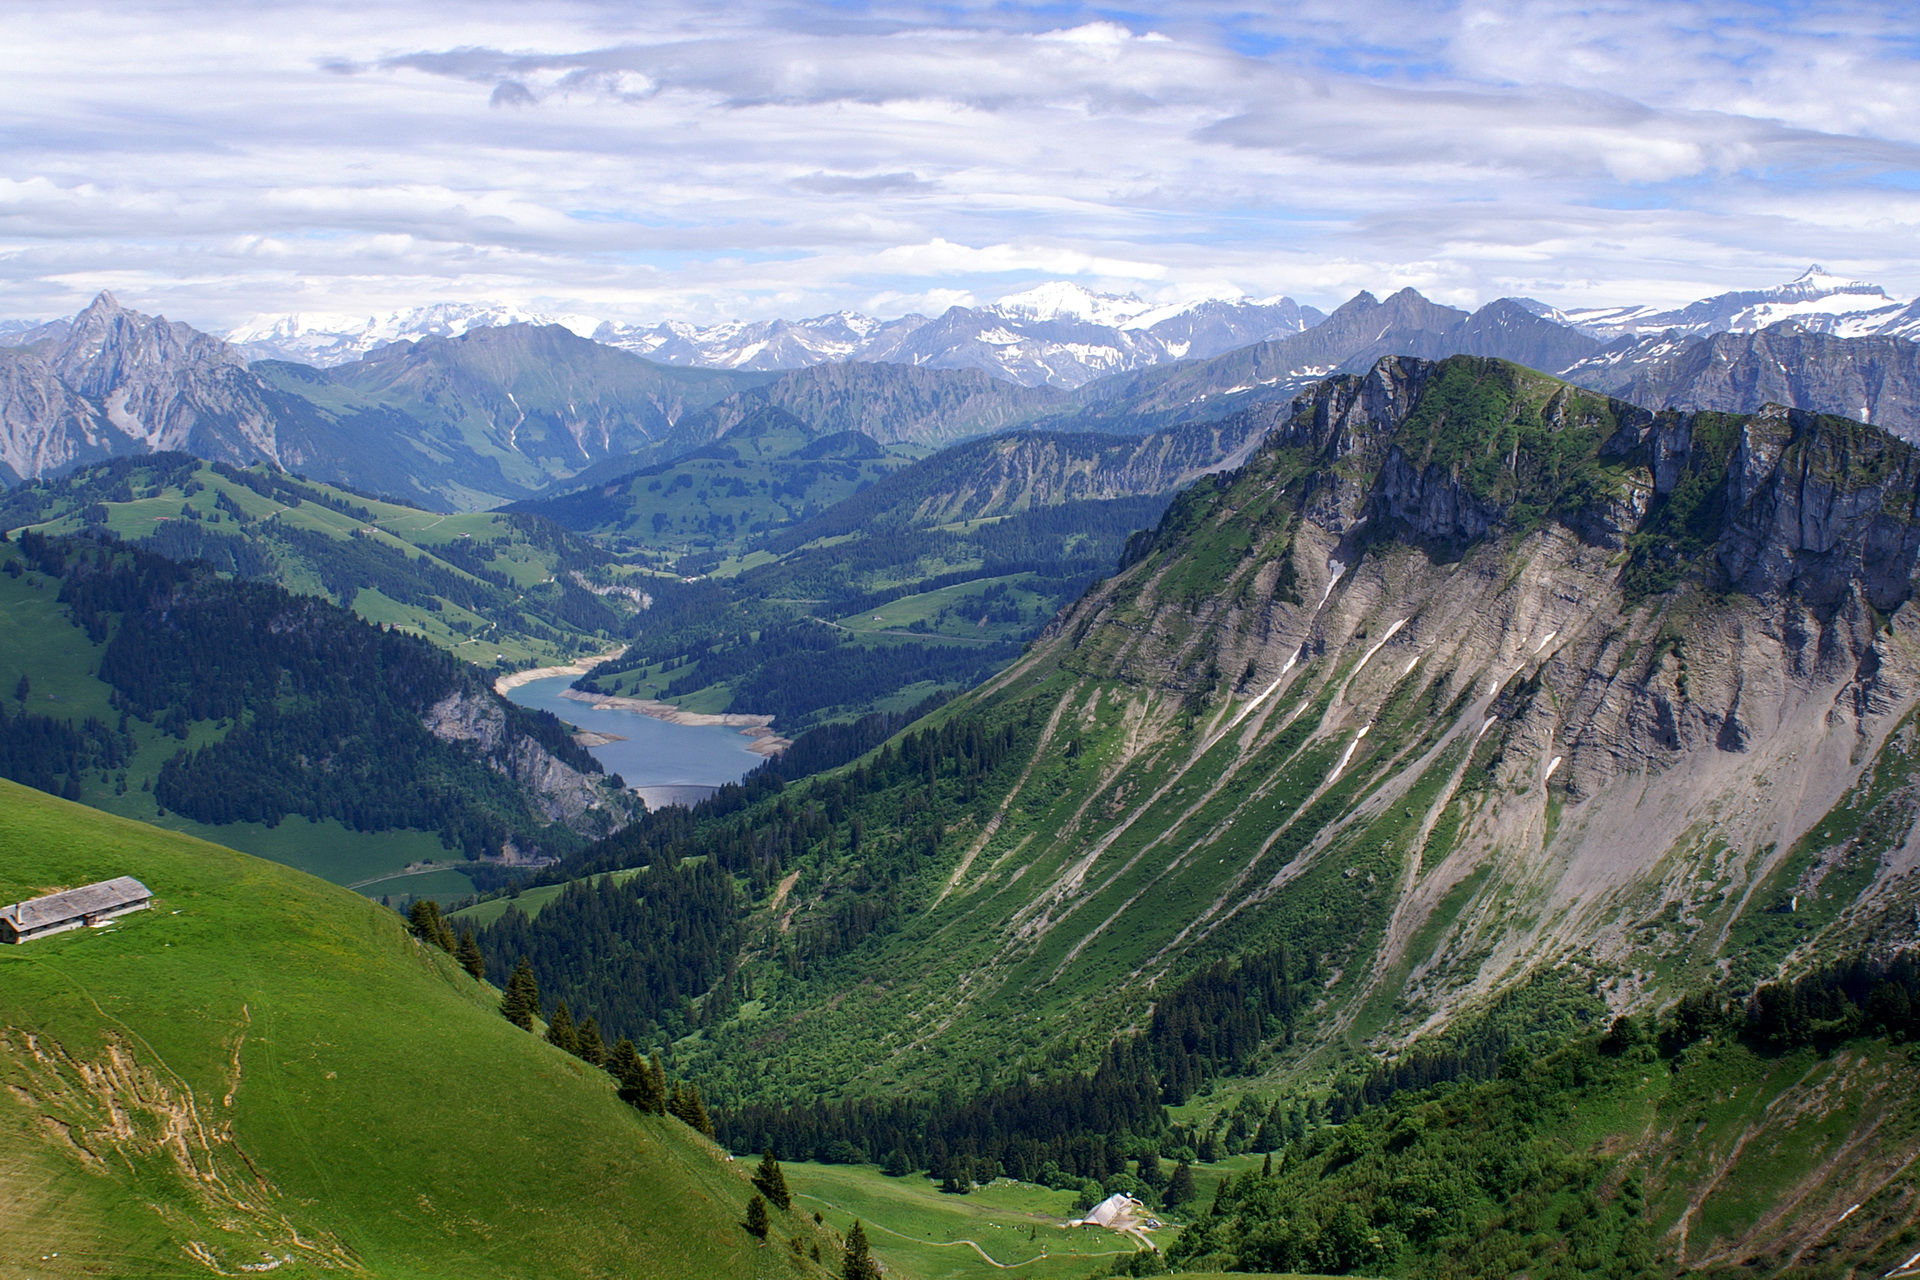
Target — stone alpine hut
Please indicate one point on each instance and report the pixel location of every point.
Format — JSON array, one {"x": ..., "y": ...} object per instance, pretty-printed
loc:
[{"x": 73, "y": 909}]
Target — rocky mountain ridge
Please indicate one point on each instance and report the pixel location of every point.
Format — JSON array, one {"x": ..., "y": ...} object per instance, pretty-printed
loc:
[
  {"x": 1868, "y": 378},
  {"x": 1468, "y": 680},
  {"x": 502, "y": 412},
  {"x": 1818, "y": 301}
]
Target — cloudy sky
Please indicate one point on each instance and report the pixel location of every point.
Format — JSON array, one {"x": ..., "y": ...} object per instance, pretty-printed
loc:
[{"x": 643, "y": 160}]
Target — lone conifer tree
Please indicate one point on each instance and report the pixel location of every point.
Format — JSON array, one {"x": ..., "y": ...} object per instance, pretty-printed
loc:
[
  {"x": 592, "y": 1050},
  {"x": 757, "y": 1217},
  {"x": 469, "y": 955},
  {"x": 624, "y": 1060},
  {"x": 772, "y": 1181},
  {"x": 522, "y": 998},
  {"x": 1180, "y": 1186},
  {"x": 560, "y": 1032},
  {"x": 859, "y": 1264}
]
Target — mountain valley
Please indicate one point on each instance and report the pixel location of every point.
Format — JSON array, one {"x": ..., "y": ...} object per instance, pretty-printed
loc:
[{"x": 1487, "y": 797}]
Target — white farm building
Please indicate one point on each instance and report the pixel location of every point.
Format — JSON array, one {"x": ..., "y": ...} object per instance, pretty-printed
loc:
[{"x": 73, "y": 909}]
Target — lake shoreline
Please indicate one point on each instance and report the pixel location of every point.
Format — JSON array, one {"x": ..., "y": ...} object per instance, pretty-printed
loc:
[
  {"x": 513, "y": 680},
  {"x": 765, "y": 741}
]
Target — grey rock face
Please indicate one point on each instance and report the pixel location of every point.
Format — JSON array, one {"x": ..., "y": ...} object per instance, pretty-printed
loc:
[
  {"x": 564, "y": 794},
  {"x": 166, "y": 385},
  {"x": 1869, "y": 379},
  {"x": 44, "y": 425},
  {"x": 113, "y": 381}
]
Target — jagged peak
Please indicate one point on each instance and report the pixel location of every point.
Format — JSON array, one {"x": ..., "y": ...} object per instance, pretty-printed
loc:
[
  {"x": 1816, "y": 282},
  {"x": 104, "y": 303}
]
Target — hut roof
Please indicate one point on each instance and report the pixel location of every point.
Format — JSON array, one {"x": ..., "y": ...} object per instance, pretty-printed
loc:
[
  {"x": 1114, "y": 1210},
  {"x": 108, "y": 895}
]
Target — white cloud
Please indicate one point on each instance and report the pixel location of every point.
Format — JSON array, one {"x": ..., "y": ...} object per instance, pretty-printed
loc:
[{"x": 688, "y": 159}]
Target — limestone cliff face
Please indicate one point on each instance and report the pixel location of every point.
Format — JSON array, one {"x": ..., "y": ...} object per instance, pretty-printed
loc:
[
  {"x": 165, "y": 385},
  {"x": 562, "y": 793},
  {"x": 1028, "y": 470},
  {"x": 1470, "y": 676},
  {"x": 44, "y": 425},
  {"x": 1872, "y": 379},
  {"x": 117, "y": 382}
]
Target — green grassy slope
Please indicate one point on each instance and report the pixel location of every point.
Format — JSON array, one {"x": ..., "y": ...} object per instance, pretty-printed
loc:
[
  {"x": 923, "y": 1234},
  {"x": 486, "y": 417},
  {"x": 497, "y": 590},
  {"x": 264, "y": 1067}
]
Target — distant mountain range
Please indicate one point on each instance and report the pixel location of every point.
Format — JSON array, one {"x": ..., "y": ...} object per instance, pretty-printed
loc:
[
  {"x": 1817, "y": 301},
  {"x": 1058, "y": 335},
  {"x": 486, "y": 407}
]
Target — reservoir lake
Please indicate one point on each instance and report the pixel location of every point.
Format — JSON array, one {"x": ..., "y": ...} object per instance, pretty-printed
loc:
[{"x": 655, "y": 753}]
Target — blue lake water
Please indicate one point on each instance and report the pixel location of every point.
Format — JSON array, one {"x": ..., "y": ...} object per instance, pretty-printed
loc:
[{"x": 655, "y": 753}]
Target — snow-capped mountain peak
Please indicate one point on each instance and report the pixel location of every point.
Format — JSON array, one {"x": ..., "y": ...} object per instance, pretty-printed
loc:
[
  {"x": 1814, "y": 282},
  {"x": 330, "y": 338},
  {"x": 1065, "y": 300},
  {"x": 1824, "y": 303}
]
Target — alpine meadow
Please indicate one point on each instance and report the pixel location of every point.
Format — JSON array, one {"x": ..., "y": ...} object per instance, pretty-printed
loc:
[{"x": 825, "y": 642}]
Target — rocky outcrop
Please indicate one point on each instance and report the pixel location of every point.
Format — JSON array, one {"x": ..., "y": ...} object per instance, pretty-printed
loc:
[
  {"x": 115, "y": 382},
  {"x": 562, "y": 793},
  {"x": 1508, "y": 678},
  {"x": 1872, "y": 379},
  {"x": 44, "y": 425}
]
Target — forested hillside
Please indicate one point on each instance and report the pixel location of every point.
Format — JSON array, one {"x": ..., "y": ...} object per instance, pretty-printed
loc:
[
  {"x": 1474, "y": 712},
  {"x": 494, "y": 589},
  {"x": 696, "y": 510},
  {"x": 926, "y": 579},
  {"x": 158, "y": 689}
]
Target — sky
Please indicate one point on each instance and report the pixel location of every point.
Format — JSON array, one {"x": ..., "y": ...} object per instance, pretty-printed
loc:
[{"x": 670, "y": 160}]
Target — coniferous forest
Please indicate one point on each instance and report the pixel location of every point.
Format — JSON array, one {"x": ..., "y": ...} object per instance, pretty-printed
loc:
[{"x": 312, "y": 712}]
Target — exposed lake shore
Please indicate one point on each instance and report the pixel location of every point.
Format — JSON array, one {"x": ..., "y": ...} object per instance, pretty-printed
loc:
[
  {"x": 580, "y": 667},
  {"x": 765, "y": 742}
]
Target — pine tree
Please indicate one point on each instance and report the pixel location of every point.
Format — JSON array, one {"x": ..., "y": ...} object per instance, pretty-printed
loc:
[
  {"x": 592, "y": 1050},
  {"x": 772, "y": 1181},
  {"x": 560, "y": 1032},
  {"x": 23, "y": 690},
  {"x": 1180, "y": 1187},
  {"x": 429, "y": 925},
  {"x": 659, "y": 1084},
  {"x": 859, "y": 1262},
  {"x": 522, "y": 998},
  {"x": 686, "y": 1104},
  {"x": 757, "y": 1217},
  {"x": 1150, "y": 1172},
  {"x": 1266, "y": 1166},
  {"x": 638, "y": 1089},
  {"x": 469, "y": 955}
]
